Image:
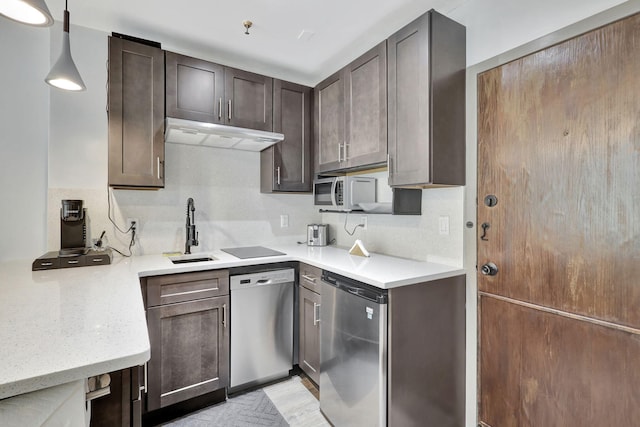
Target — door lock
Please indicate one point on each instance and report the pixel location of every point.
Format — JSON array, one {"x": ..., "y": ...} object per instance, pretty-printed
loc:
[{"x": 489, "y": 269}]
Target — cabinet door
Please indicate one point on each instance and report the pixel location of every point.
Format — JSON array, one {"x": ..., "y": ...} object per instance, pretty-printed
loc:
[
  {"x": 309, "y": 351},
  {"x": 329, "y": 123},
  {"x": 249, "y": 99},
  {"x": 195, "y": 89},
  {"x": 426, "y": 117},
  {"x": 136, "y": 115},
  {"x": 189, "y": 350},
  {"x": 121, "y": 407},
  {"x": 287, "y": 165},
  {"x": 409, "y": 107},
  {"x": 366, "y": 109}
]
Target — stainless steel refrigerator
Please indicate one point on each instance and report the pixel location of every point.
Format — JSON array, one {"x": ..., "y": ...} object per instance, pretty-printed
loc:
[{"x": 353, "y": 352}]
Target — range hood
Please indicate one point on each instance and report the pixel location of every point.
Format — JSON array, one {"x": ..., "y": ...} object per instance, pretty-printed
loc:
[{"x": 188, "y": 132}]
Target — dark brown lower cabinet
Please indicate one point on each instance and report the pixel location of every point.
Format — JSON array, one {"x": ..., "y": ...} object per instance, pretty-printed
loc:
[
  {"x": 123, "y": 406},
  {"x": 426, "y": 352},
  {"x": 309, "y": 350},
  {"x": 189, "y": 350}
]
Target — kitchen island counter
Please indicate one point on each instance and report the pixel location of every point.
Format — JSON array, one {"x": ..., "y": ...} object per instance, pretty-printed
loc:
[{"x": 58, "y": 326}]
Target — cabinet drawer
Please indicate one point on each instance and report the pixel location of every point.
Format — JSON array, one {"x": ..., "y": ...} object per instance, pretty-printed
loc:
[
  {"x": 186, "y": 287},
  {"x": 74, "y": 261},
  {"x": 310, "y": 277}
]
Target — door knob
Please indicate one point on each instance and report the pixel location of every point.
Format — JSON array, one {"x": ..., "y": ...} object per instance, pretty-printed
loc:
[{"x": 489, "y": 269}]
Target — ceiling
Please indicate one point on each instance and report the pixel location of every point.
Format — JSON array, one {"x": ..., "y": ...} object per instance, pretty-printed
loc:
[{"x": 336, "y": 31}]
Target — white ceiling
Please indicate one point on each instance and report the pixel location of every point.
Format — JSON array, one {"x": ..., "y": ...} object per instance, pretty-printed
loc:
[{"x": 342, "y": 29}]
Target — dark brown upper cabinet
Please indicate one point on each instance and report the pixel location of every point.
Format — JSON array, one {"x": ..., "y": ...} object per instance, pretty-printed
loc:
[
  {"x": 426, "y": 88},
  {"x": 207, "y": 92},
  {"x": 287, "y": 165},
  {"x": 351, "y": 114},
  {"x": 136, "y": 115}
]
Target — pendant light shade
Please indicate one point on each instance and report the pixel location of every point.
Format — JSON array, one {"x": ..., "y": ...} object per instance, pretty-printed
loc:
[
  {"x": 31, "y": 12},
  {"x": 64, "y": 74}
]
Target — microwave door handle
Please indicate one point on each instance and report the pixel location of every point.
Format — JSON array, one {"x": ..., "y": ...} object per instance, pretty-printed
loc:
[{"x": 334, "y": 201}]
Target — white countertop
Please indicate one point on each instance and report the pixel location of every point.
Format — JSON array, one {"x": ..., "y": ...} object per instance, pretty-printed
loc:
[{"x": 57, "y": 326}]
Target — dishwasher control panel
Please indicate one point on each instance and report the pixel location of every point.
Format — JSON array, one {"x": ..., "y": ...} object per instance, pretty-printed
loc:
[{"x": 262, "y": 278}]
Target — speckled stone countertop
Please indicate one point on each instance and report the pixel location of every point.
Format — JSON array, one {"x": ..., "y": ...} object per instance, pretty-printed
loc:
[{"x": 57, "y": 326}]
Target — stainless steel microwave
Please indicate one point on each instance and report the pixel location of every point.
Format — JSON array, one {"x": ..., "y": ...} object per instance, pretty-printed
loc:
[{"x": 344, "y": 193}]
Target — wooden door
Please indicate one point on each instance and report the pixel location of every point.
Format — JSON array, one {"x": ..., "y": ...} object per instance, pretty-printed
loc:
[
  {"x": 136, "y": 114},
  {"x": 195, "y": 89},
  {"x": 329, "y": 123},
  {"x": 189, "y": 350},
  {"x": 287, "y": 166},
  {"x": 366, "y": 108},
  {"x": 559, "y": 148},
  {"x": 309, "y": 351},
  {"x": 249, "y": 99}
]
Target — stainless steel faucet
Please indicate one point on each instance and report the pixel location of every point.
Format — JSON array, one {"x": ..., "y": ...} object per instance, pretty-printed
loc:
[{"x": 192, "y": 235}]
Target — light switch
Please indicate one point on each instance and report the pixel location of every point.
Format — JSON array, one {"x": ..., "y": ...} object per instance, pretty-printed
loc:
[
  {"x": 444, "y": 225},
  {"x": 284, "y": 221}
]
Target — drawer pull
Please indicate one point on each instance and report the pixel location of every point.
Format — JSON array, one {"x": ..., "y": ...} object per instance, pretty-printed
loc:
[
  {"x": 309, "y": 278},
  {"x": 46, "y": 264},
  {"x": 97, "y": 260},
  {"x": 176, "y": 294},
  {"x": 73, "y": 262}
]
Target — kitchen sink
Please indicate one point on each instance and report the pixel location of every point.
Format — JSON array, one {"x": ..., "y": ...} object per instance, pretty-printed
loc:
[{"x": 189, "y": 258}]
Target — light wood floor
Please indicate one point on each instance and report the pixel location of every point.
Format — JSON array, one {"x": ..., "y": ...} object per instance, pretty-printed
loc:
[{"x": 295, "y": 400}]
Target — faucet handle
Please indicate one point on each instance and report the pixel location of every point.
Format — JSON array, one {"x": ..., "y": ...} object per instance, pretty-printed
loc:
[{"x": 195, "y": 242}]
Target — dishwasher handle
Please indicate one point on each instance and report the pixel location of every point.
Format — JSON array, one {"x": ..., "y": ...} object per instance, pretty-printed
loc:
[{"x": 353, "y": 287}]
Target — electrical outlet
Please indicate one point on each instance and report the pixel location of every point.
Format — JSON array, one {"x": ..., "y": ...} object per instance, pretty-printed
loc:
[
  {"x": 284, "y": 221},
  {"x": 131, "y": 221},
  {"x": 443, "y": 223},
  {"x": 363, "y": 222}
]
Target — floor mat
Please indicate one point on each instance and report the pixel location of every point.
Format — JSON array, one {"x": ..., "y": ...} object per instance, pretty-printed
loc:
[{"x": 248, "y": 409}]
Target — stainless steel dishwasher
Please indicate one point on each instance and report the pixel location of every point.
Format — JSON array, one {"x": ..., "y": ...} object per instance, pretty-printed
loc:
[
  {"x": 353, "y": 352},
  {"x": 261, "y": 327}
]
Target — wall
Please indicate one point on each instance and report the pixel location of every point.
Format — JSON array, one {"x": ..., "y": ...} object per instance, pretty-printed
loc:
[
  {"x": 24, "y": 124},
  {"x": 407, "y": 236},
  {"x": 225, "y": 184}
]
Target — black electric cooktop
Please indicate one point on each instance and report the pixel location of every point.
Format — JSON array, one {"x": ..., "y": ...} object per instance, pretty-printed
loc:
[{"x": 251, "y": 252}]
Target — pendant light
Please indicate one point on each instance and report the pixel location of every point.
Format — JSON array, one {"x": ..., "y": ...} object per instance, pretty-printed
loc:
[
  {"x": 30, "y": 12},
  {"x": 64, "y": 74}
]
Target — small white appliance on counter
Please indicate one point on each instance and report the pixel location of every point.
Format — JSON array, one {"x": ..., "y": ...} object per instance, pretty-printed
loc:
[
  {"x": 344, "y": 193},
  {"x": 317, "y": 235}
]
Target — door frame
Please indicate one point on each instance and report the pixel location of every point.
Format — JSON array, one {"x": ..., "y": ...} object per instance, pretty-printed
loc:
[{"x": 471, "y": 190}]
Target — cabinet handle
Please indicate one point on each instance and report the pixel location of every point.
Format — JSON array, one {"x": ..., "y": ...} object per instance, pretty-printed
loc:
[
  {"x": 316, "y": 315},
  {"x": 220, "y": 109},
  {"x": 160, "y": 163},
  {"x": 309, "y": 278},
  {"x": 229, "y": 109},
  {"x": 339, "y": 153},
  {"x": 346, "y": 157},
  {"x": 389, "y": 168},
  {"x": 224, "y": 315},
  {"x": 278, "y": 175},
  {"x": 146, "y": 377}
]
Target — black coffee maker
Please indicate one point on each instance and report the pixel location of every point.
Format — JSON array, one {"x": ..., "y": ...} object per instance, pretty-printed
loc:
[{"x": 73, "y": 228}]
